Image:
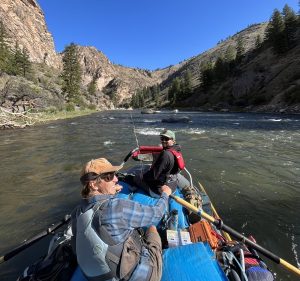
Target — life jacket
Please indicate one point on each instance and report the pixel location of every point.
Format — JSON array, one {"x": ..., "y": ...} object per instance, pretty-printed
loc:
[
  {"x": 97, "y": 255},
  {"x": 178, "y": 157},
  {"x": 157, "y": 149}
]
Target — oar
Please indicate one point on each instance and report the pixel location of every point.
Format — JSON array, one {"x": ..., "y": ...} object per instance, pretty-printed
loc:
[
  {"x": 227, "y": 236},
  {"x": 36, "y": 238},
  {"x": 219, "y": 224},
  {"x": 128, "y": 156}
]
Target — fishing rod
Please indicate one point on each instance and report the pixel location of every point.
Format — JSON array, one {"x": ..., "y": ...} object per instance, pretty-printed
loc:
[
  {"x": 220, "y": 225},
  {"x": 27, "y": 243}
]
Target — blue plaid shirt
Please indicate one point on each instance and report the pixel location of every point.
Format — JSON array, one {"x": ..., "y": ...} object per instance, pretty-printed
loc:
[{"x": 121, "y": 216}]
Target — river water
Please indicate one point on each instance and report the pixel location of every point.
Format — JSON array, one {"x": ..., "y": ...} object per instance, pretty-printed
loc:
[{"x": 248, "y": 163}]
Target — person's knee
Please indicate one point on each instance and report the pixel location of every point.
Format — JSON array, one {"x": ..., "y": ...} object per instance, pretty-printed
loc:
[
  {"x": 152, "y": 229},
  {"x": 152, "y": 239}
]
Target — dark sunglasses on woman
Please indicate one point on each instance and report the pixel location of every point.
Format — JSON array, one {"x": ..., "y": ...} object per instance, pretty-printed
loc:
[{"x": 107, "y": 176}]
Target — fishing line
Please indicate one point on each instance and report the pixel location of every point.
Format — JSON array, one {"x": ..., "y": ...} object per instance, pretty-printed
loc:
[
  {"x": 137, "y": 143},
  {"x": 134, "y": 131}
]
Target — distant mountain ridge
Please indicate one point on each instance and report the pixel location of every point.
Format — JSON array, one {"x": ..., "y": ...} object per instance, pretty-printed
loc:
[{"x": 116, "y": 84}]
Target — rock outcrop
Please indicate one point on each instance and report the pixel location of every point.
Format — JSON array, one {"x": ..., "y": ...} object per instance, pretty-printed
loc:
[
  {"x": 116, "y": 81},
  {"x": 24, "y": 22},
  {"x": 261, "y": 80}
]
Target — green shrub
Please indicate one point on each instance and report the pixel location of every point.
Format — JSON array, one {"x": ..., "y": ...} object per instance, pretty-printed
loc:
[
  {"x": 51, "y": 109},
  {"x": 92, "y": 107},
  {"x": 70, "y": 107}
]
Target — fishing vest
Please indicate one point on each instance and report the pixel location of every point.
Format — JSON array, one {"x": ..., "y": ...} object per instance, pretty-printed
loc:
[
  {"x": 178, "y": 157},
  {"x": 97, "y": 254}
]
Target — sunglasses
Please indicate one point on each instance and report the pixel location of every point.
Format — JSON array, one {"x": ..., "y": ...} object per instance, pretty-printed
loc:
[
  {"x": 165, "y": 138},
  {"x": 107, "y": 176}
]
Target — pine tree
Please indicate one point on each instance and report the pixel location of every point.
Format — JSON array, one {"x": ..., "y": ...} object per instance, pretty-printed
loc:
[
  {"x": 17, "y": 60},
  {"x": 133, "y": 102},
  {"x": 25, "y": 65},
  {"x": 207, "y": 75},
  {"x": 290, "y": 24},
  {"x": 258, "y": 42},
  {"x": 155, "y": 91},
  {"x": 229, "y": 58},
  {"x": 240, "y": 48},
  {"x": 174, "y": 91},
  {"x": 156, "y": 99},
  {"x": 299, "y": 13},
  {"x": 92, "y": 87},
  {"x": 114, "y": 99},
  {"x": 186, "y": 88},
  {"x": 275, "y": 33},
  {"x": 71, "y": 74},
  {"x": 5, "y": 53},
  {"x": 230, "y": 54},
  {"x": 220, "y": 69},
  {"x": 141, "y": 100}
]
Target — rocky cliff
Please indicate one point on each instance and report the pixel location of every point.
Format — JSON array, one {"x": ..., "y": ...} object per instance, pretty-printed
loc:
[
  {"x": 261, "y": 78},
  {"x": 116, "y": 81},
  {"x": 25, "y": 23}
]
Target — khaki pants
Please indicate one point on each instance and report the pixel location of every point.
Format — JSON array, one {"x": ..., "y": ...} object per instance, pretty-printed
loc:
[{"x": 155, "y": 254}]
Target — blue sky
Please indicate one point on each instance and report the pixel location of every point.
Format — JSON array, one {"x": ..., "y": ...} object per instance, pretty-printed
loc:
[{"x": 152, "y": 34}]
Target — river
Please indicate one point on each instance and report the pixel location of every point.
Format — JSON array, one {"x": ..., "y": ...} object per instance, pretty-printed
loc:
[{"x": 248, "y": 163}]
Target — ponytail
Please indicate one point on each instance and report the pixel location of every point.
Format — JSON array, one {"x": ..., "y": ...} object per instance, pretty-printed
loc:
[{"x": 85, "y": 191}]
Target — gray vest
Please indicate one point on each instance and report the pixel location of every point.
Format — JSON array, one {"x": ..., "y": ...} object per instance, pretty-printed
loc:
[{"x": 97, "y": 254}]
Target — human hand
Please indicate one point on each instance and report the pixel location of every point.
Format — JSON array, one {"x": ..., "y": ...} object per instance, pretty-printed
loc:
[
  {"x": 166, "y": 190},
  {"x": 118, "y": 188}
]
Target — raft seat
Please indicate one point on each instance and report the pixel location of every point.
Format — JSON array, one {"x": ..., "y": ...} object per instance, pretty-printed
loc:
[{"x": 192, "y": 262}]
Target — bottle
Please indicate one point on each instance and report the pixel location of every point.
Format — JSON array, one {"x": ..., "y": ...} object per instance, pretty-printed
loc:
[{"x": 173, "y": 220}]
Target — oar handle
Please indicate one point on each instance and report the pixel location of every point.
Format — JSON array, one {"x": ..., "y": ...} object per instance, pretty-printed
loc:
[
  {"x": 219, "y": 224},
  {"x": 128, "y": 156},
  {"x": 31, "y": 241}
]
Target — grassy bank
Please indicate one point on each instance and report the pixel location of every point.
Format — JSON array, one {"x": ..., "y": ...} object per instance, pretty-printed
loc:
[
  {"x": 10, "y": 120},
  {"x": 51, "y": 116}
]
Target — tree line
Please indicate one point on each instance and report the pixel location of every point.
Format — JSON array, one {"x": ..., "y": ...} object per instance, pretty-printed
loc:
[
  {"x": 145, "y": 96},
  {"x": 179, "y": 90},
  {"x": 280, "y": 35},
  {"x": 13, "y": 61},
  {"x": 282, "y": 28}
]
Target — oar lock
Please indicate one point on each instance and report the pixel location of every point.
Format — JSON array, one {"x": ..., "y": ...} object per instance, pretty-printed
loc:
[
  {"x": 218, "y": 223},
  {"x": 49, "y": 230}
]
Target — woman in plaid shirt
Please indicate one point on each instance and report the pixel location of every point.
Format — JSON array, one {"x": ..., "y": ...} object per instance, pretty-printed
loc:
[{"x": 129, "y": 256}]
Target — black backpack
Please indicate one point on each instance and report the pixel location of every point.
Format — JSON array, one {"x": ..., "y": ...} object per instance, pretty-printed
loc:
[
  {"x": 254, "y": 268},
  {"x": 58, "y": 266}
]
